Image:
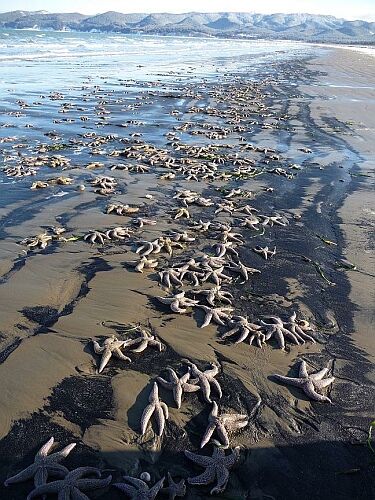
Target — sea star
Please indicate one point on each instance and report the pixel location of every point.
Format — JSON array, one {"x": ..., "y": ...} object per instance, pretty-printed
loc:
[
  {"x": 170, "y": 276},
  {"x": 148, "y": 247},
  {"x": 299, "y": 328},
  {"x": 38, "y": 241},
  {"x": 242, "y": 326},
  {"x": 265, "y": 252},
  {"x": 229, "y": 235},
  {"x": 178, "y": 302},
  {"x": 309, "y": 383},
  {"x": 168, "y": 245},
  {"x": 73, "y": 484},
  {"x": 121, "y": 209},
  {"x": 94, "y": 236},
  {"x": 43, "y": 465},
  {"x": 251, "y": 223},
  {"x": 147, "y": 339},
  {"x": 138, "y": 489},
  {"x": 222, "y": 424},
  {"x": 216, "y": 275},
  {"x": 181, "y": 236},
  {"x": 178, "y": 385},
  {"x": 118, "y": 233},
  {"x": 216, "y": 293},
  {"x": 143, "y": 263},
  {"x": 156, "y": 406},
  {"x": 240, "y": 268},
  {"x": 278, "y": 330},
  {"x": 216, "y": 314},
  {"x": 111, "y": 346},
  {"x": 274, "y": 219},
  {"x": 217, "y": 468},
  {"x": 141, "y": 221},
  {"x": 182, "y": 212},
  {"x": 205, "y": 379},
  {"x": 222, "y": 249},
  {"x": 174, "y": 489}
]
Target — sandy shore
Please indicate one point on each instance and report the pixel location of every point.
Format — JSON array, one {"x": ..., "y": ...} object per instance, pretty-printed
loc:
[{"x": 53, "y": 302}]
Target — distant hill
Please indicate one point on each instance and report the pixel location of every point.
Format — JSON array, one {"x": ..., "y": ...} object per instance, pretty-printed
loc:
[{"x": 305, "y": 27}]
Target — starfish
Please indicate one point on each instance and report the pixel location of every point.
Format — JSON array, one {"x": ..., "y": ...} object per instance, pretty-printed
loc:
[
  {"x": 299, "y": 328},
  {"x": 182, "y": 212},
  {"x": 217, "y": 468},
  {"x": 139, "y": 489},
  {"x": 216, "y": 293},
  {"x": 141, "y": 221},
  {"x": 181, "y": 236},
  {"x": 202, "y": 226},
  {"x": 178, "y": 385},
  {"x": 110, "y": 346},
  {"x": 168, "y": 244},
  {"x": 156, "y": 406},
  {"x": 148, "y": 247},
  {"x": 240, "y": 268},
  {"x": 246, "y": 329},
  {"x": 169, "y": 277},
  {"x": 178, "y": 302},
  {"x": 216, "y": 275},
  {"x": 274, "y": 219},
  {"x": 143, "y": 263},
  {"x": 216, "y": 314},
  {"x": 174, "y": 489},
  {"x": 222, "y": 424},
  {"x": 227, "y": 207},
  {"x": 118, "y": 233},
  {"x": 310, "y": 384},
  {"x": 265, "y": 252},
  {"x": 229, "y": 235},
  {"x": 251, "y": 223},
  {"x": 224, "y": 248},
  {"x": 43, "y": 465},
  {"x": 206, "y": 379},
  {"x": 147, "y": 339},
  {"x": 73, "y": 484},
  {"x": 121, "y": 209},
  {"x": 94, "y": 236},
  {"x": 38, "y": 241},
  {"x": 277, "y": 329}
]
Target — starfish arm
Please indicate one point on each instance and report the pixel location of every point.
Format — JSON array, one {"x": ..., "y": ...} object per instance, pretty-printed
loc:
[
  {"x": 44, "y": 450},
  {"x": 177, "y": 395},
  {"x": 57, "y": 470},
  {"x": 120, "y": 355},
  {"x": 212, "y": 372},
  {"x": 138, "y": 483},
  {"x": 207, "y": 319},
  {"x": 41, "y": 476},
  {"x": 232, "y": 458},
  {"x": 93, "y": 484},
  {"x": 155, "y": 489},
  {"x": 206, "y": 389},
  {"x": 208, "y": 433},
  {"x": 216, "y": 384},
  {"x": 297, "y": 382},
  {"x": 77, "y": 495},
  {"x": 320, "y": 374},
  {"x": 146, "y": 415},
  {"x": 164, "y": 407},
  {"x": 190, "y": 387},
  {"x": 164, "y": 383},
  {"x": 160, "y": 419},
  {"x": 77, "y": 473},
  {"x": 230, "y": 332},
  {"x": 222, "y": 475},
  {"x": 126, "y": 488},
  {"x": 205, "y": 478},
  {"x": 53, "y": 487},
  {"x": 243, "y": 336},
  {"x": 217, "y": 318},
  {"x": 141, "y": 346},
  {"x": 279, "y": 338},
  {"x": 104, "y": 360},
  {"x": 223, "y": 434},
  {"x": 24, "y": 475},
  {"x": 97, "y": 350},
  {"x": 60, "y": 455},
  {"x": 175, "y": 307},
  {"x": 202, "y": 460},
  {"x": 321, "y": 384},
  {"x": 291, "y": 335},
  {"x": 310, "y": 391},
  {"x": 303, "y": 373}
]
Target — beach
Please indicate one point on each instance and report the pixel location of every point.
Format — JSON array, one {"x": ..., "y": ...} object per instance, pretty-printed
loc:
[{"x": 254, "y": 157}]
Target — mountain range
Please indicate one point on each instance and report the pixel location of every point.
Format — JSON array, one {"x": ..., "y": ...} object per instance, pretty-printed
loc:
[{"x": 305, "y": 27}]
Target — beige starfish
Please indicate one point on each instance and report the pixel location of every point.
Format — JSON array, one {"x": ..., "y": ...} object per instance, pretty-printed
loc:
[
  {"x": 182, "y": 212},
  {"x": 205, "y": 379},
  {"x": 44, "y": 464},
  {"x": 111, "y": 346},
  {"x": 121, "y": 209},
  {"x": 145, "y": 340},
  {"x": 222, "y": 424},
  {"x": 178, "y": 385},
  {"x": 310, "y": 384},
  {"x": 155, "y": 406},
  {"x": 246, "y": 330},
  {"x": 265, "y": 252},
  {"x": 118, "y": 233},
  {"x": 216, "y": 275},
  {"x": 95, "y": 236},
  {"x": 38, "y": 241},
  {"x": 216, "y": 314},
  {"x": 222, "y": 249},
  {"x": 240, "y": 268},
  {"x": 215, "y": 293},
  {"x": 178, "y": 302},
  {"x": 143, "y": 263},
  {"x": 216, "y": 468}
]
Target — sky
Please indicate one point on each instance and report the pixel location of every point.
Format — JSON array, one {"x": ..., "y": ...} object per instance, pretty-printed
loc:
[{"x": 349, "y": 9}]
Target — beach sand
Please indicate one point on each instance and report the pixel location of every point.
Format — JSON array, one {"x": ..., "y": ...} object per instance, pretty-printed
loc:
[{"x": 53, "y": 302}]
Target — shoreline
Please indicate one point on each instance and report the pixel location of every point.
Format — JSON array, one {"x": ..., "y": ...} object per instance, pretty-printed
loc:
[{"x": 74, "y": 292}]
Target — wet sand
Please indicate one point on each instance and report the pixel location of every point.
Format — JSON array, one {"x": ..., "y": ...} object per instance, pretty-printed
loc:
[{"x": 54, "y": 301}]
